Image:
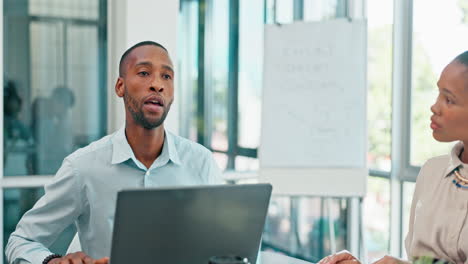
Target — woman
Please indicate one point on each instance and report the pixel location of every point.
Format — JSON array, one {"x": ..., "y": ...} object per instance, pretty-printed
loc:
[{"x": 438, "y": 224}]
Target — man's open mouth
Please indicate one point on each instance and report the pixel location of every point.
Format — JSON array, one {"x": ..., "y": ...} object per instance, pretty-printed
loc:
[{"x": 154, "y": 101}]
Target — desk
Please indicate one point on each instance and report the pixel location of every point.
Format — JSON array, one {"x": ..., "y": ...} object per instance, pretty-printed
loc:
[{"x": 268, "y": 257}]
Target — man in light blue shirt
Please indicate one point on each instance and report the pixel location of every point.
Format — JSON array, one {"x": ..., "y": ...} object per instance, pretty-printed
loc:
[{"x": 142, "y": 154}]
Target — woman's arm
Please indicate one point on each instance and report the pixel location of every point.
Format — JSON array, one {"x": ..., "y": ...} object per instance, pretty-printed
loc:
[{"x": 344, "y": 257}]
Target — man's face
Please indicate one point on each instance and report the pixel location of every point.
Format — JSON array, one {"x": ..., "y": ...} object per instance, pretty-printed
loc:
[{"x": 147, "y": 86}]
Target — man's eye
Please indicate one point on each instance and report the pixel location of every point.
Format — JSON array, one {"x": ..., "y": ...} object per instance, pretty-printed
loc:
[
  {"x": 448, "y": 100},
  {"x": 143, "y": 73},
  {"x": 167, "y": 76}
]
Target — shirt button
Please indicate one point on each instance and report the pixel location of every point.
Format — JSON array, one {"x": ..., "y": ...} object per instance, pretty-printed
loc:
[{"x": 147, "y": 173}]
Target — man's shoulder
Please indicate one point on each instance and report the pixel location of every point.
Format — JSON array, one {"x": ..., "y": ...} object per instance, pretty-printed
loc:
[
  {"x": 198, "y": 159},
  {"x": 184, "y": 145},
  {"x": 96, "y": 148}
]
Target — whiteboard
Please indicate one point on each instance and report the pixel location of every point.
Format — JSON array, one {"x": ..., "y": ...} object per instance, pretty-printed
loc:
[{"x": 314, "y": 108}]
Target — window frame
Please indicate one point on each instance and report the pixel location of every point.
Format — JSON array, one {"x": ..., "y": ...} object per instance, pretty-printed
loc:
[
  {"x": 401, "y": 170},
  {"x": 352, "y": 9},
  {"x": 205, "y": 91},
  {"x": 35, "y": 181}
]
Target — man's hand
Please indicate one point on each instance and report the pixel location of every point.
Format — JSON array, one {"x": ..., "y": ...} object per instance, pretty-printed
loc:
[
  {"x": 391, "y": 260},
  {"x": 78, "y": 258},
  {"x": 342, "y": 257}
]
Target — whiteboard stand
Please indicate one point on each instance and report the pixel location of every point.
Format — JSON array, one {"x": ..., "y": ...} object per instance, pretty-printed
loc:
[
  {"x": 331, "y": 226},
  {"x": 314, "y": 115},
  {"x": 356, "y": 243},
  {"x": 324, "y": 182}
]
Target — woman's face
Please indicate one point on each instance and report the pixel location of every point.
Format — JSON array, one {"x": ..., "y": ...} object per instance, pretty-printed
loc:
[{"x": 450, "y": 111}]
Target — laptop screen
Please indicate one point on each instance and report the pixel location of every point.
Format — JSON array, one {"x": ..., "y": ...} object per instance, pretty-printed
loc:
[{"x": 189, "y": 224}]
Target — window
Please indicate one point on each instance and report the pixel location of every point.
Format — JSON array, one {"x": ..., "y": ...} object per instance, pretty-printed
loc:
[
  {"x": 54, "y": 94},
  {"x": 376, "y": 215},
  {"x": 54, "y": 83},
  {"x": 217, "y": 61},
  {"x": 250, "y": 72},
  {"x": 306, "y": 227},
  {"x": 428, "y": 60},
  {"x": 379, "y": 67},
  {"x": 404, "y": 63},
  {"x": 16, "y": 202},
  {"x": 379, "y": 76},
  {"x": 188, "y": 68},
  {"x": 222, "y": 103}
]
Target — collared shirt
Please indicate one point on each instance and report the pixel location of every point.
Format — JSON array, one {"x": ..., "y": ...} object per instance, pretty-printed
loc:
[
  {"x": 84, "y": 192},
  {"x": 438, "y": 224}
]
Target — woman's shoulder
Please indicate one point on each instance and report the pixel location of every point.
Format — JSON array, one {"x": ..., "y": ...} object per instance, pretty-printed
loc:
[
  {"x": 438, "y": 161},
  {"x": 435, "y": 166},
  {"x": 430, "y": 174}
]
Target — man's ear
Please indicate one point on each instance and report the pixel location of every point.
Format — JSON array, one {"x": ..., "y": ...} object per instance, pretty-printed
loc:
[{"x": 120, "y": 87}]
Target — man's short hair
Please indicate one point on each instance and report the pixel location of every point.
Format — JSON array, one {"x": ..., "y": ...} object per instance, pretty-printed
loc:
[
  {"x": 463, "y": 58},
  {"x": 127, "y": 52}
]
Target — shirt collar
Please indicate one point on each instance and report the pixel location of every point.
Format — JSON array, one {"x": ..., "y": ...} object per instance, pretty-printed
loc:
[
  {"x": 169, "y": 151},
  {"x": 121, "y": 150},
  {"x": 169, "y": 141},
  {"x": 454, "y": 159}
]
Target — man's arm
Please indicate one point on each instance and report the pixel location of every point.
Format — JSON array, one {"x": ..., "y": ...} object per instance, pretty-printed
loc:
[{"x": 39, "y": 227}]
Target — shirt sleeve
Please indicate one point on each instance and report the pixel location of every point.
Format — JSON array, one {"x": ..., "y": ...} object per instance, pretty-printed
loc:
[
  {"x": 417, "y": 190},
  {"x": 39, "y": 227}
]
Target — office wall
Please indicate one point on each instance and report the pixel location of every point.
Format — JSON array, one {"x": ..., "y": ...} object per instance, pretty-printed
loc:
[{"x": 132, "y": 21}]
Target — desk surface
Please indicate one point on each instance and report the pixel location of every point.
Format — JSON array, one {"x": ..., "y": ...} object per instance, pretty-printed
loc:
[{"x": 267, "y": 257}]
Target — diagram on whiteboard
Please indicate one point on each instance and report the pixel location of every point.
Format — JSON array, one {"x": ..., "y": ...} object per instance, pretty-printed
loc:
[{"x": 314, "y": 96}]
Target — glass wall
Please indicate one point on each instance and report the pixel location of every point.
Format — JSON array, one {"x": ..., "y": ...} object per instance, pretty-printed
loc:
[
  {"x": 16, "y": 202},
  {"x": 379, "y": 112},
  {"x": 54, "y": 82},
  {"x": 306, "y": 227},
  {"x": 450, "y": 31},
  {"x": 376, "y": 215},
  {"x": 379, "y": 73},
  {"x": 222, "y": 88},
  {"x": 188, "y": 69},
  {"x": 54, "y": 62},
  {"x": 224, "y": 108}
]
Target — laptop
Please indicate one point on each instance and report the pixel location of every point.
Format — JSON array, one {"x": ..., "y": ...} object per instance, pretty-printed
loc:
[{"x": 189, "y": 224}]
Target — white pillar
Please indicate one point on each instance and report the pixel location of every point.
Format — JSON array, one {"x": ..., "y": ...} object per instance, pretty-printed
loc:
[{"x": 132, "y": 21}]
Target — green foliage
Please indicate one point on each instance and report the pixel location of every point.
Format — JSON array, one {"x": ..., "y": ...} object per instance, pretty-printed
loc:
[
  {"x": 463, "y": 4},
  {"x": 423, "y": 95},
  {"x": 380, "y": 92},
  {"x": 429, "y": 260}
]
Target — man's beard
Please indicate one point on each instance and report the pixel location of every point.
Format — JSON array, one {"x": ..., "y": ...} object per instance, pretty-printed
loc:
[{"x": 136, "y": 110}]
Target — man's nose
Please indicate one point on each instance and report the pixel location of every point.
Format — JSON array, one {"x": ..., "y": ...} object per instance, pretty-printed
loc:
[{"x": 157, "y": 85}]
